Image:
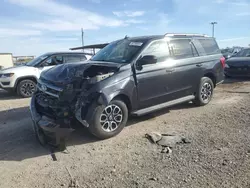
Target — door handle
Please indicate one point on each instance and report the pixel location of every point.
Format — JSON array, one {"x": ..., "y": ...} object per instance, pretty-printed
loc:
[
  {"x": 199, "y": 65},
  {"x": 169, "y": 70}
]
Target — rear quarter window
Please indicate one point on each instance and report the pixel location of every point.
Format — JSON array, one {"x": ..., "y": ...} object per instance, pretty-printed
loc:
[{"x": 206, "y": 46}]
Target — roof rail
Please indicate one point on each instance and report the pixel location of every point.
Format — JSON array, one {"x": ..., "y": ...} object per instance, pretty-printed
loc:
[{"x": 185, "y": 34}]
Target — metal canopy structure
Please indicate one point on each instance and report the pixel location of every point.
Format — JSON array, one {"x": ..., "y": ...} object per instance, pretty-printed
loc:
[{"x": 93, "y": 47}]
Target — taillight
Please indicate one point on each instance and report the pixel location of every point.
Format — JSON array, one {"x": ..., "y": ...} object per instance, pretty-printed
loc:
[{"x": 223, "y": 62}]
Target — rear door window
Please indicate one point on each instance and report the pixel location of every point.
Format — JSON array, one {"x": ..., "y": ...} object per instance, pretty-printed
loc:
[
  {"x": 58, "y": 59},
  {"x": 206, "y": 46},
  {"x": 182, "y": 48},
  {"x": 74, "y": 58},
  {"x": 159, "y": 49}
]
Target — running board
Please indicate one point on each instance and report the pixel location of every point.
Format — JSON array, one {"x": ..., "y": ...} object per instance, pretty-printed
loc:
[{"x": 163, "y": 105}]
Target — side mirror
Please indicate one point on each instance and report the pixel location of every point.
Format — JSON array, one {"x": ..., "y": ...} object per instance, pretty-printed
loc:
[{"x": 146, "y": 60}]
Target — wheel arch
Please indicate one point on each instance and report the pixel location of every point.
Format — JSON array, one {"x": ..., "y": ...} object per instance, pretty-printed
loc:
[
  {"x": 18, "y": 80},
  {"x": 125, "y": 99},
  {"x": 102, "y": 99},
  {"x": 212, "y": 77}
]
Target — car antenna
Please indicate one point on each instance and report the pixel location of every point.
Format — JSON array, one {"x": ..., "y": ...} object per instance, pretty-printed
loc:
[{"x": 126, "y": 37}]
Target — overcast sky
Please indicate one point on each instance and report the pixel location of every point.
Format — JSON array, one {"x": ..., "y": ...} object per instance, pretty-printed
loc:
[{"x": 33, "y": 27}]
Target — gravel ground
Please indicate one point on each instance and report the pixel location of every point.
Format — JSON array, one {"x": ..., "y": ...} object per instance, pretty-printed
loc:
[{"x": 218, "y": 155}]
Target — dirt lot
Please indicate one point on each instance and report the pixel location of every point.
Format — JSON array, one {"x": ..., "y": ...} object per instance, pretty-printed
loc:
[{"x": 218, "y": 155}]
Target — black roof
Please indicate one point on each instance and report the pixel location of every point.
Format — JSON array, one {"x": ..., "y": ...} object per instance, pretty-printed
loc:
[
  {"x": 143, "y": 38},
  {"x": 174, "y": 35},
  {"x": 150, "y": 37}
]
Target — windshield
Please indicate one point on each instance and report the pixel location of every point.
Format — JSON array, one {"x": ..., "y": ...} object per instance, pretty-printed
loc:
[
  {"x": 121, "y": 51},
  {"x": 37, "y": 60},
  {"x": 243, "y": 53}
]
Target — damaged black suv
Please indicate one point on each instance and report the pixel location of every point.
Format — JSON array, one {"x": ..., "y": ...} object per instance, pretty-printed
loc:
[{"x": 130, "y": 76}]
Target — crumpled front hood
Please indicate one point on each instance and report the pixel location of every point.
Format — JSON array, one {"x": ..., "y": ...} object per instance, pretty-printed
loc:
[{"x": 68, "y": 72}]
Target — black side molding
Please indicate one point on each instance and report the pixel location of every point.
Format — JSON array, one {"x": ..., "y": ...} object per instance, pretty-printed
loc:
[{"x": 163, "y": 105}]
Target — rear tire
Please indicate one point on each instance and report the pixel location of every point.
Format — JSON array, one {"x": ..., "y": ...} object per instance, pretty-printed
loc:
[
  {"x": 205, "y": 92},
  {"x": 108, "y": 121},
  {"x": 26, "y": 88}
]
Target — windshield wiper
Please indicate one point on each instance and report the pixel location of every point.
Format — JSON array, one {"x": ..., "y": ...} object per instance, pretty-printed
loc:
[
  {"x": 104, "y": 60},
  {"x": 98, "y": 60}
]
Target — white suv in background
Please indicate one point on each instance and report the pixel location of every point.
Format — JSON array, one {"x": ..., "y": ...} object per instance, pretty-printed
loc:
[{"x": 22, "y": 79}]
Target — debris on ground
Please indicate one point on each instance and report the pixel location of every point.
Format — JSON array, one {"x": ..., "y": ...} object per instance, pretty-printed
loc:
[
  {"x": 153, "y": 179},
  {"x": 53, "y": 156},
  {"x": 73, "y": 182},
  {"x": 166, "y": 150},
  {"x": 167, "y": 141},
  {"x": 154, "y": 137}
]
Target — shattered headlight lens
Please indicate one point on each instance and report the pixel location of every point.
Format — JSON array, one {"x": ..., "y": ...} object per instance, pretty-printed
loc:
[
  {"x": 69, "y": 87},
  {"x": 67, "y": 92}
]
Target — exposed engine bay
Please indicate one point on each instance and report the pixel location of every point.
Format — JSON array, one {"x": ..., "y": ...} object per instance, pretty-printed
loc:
[
  {"x": 99, "y": 77},
  {"x": 71, "y": 92}
]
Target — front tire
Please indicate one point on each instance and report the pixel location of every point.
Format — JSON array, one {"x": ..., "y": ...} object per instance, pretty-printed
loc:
[
  {"x": 108, "y": 121},
  {"x": 26, "y": 88},
  {"x": 205, "y": 92}
]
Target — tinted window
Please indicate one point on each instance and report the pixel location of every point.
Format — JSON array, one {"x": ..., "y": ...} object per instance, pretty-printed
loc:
[
  {"x": 74, "y": 58},
  {"x": 243, "y": 53},
  {"x": 207, "y": 46},
  {"x": 83, "y": 58},
  {"x": 58, "y": 59},
  {"x": 182, "y": 48},
  {"x": 158, "y": 49},
  {"x": 54, "y": 60}
]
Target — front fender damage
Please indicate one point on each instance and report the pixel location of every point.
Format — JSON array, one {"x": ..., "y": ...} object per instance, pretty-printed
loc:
[
  {"x": 56, "y": 130},
  {"x": 56, "y": 116},
  {"x": 83, "y": 105}
]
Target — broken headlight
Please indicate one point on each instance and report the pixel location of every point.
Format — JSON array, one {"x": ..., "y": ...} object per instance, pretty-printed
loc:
[{"x": 69, "y": 87}]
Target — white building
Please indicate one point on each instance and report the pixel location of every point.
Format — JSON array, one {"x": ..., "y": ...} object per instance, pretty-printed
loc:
[{"x": 6, "y": 60}]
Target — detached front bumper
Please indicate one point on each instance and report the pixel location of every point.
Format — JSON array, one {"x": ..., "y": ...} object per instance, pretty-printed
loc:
[{"x": 55, "y": 131}]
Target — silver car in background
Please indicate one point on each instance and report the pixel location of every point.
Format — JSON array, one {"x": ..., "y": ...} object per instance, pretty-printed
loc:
[{"x": 22, "y": 79}]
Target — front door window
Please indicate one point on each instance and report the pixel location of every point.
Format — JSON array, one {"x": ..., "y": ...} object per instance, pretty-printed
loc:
[{"x": 53, "y": 60}]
